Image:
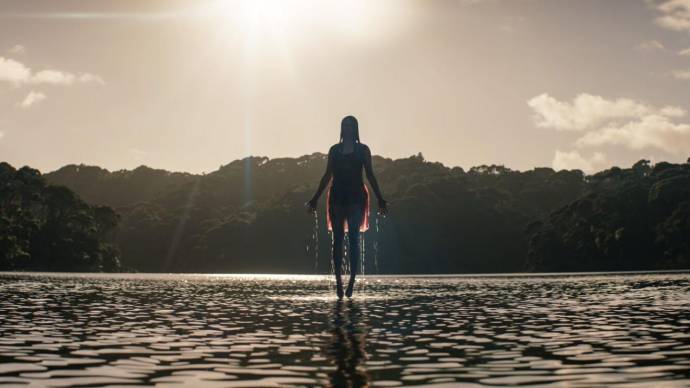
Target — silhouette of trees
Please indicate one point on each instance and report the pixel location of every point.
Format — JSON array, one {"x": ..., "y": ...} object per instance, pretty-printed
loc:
[
  {"x": 44, "y": 227},
  {"x": 629, "y": 219},
  {"x": 248, "y": 216}
]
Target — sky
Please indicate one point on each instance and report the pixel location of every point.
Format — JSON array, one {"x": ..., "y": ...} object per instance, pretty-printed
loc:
[{"x": 193, "y": 85}]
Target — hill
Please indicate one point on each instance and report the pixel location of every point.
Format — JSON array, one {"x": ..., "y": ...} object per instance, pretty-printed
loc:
[{"x": 248, "y": 216}]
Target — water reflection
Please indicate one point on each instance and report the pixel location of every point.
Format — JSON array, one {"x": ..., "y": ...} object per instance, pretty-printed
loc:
[
  {"x": 268, "y": 331},
  {"x": 346, "y": 349}
]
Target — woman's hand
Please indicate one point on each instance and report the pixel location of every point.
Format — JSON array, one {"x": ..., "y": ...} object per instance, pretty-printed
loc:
[
  {"x": 311, "y": 205},
  {"x": 383, "y": 207}
]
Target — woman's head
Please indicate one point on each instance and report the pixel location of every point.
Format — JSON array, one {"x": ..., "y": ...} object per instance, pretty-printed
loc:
[{"x": 349, "y": 129}]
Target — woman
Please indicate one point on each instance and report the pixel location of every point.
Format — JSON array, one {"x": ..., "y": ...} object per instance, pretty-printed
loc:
[{"x": 348, "y": 198}]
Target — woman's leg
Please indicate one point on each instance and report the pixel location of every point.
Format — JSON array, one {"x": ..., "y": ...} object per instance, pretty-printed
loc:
[
  {"x": 354, "y": 221},
  {"x": 337, "y": 219}
]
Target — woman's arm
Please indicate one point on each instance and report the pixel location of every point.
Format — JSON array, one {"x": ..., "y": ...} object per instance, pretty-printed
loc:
[
  {"x": 372, "y": 180},
  {"x": 311, "y": 205}
]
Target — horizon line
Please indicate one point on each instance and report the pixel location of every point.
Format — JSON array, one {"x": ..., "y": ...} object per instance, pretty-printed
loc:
[{"x": 419, "y": 154}]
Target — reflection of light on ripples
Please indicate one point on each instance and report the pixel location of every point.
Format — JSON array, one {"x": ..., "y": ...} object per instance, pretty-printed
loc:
[
  {"x": 275, "y": 277},
  {"x": 330, "y": 297},
  {"x": 288, "y": 330}
]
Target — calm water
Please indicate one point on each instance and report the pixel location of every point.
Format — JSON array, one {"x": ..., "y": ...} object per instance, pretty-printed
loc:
[{"x": 261, "y": 331}]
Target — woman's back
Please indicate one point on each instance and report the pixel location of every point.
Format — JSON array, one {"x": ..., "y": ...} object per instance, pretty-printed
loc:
[{"x": 348, "y": 182}]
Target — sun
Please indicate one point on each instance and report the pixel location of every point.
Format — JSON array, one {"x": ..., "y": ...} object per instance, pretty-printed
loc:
[
  {"x": 301, "y": 18},
  {"x": 263, "y": 16}
]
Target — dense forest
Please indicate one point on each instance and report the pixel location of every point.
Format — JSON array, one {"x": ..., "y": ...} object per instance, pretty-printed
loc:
[
  {"x": 248, "y": 216},
  {"x": 48, "y": 228},
  {"x": 628, "y": 219}
]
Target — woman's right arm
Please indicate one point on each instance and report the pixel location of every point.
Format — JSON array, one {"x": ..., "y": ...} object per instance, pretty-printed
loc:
[{"x": 322, "y": 185}]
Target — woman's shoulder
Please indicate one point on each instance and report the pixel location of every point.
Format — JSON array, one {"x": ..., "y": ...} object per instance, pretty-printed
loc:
[{"x": 358, "y": 146}]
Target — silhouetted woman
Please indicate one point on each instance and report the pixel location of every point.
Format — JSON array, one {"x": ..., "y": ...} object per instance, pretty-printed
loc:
[{"x": 347, "y": 207}]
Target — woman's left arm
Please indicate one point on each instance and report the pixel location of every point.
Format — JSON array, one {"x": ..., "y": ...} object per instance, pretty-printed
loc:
[{"x": 372, "y": 180}]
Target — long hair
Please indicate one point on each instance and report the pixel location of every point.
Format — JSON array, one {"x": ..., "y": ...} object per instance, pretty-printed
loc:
[{"x": 350, "y": 121}]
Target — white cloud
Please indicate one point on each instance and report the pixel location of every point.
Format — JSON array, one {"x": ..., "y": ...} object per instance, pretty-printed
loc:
[
  {"x": 54, "y": 77},
  {"x": 88, "y": 77},
  {"x": 681, "y": 74},
  {"x": 652, "y": 131},
  {"x": 650, "y": 45},
  {"x": 17, "y": 49},
  {"x": 32, "y": 98},
  {"x": 13, "y": 71},
  {"x": 17, "y": 73},
  {"x": 675, "y": 15},
  {"x": 574, "y": 161},
  {"x": 672, "y": 111},
  {"x": 2, "y": 134},
  {"x": 684, "y": 53},
  {"x": 621, "y": 122},
  {"x": 589, "y": 111}
]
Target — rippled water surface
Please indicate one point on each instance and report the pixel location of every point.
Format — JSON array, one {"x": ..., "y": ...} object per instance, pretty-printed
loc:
[{"x": 261, "y": 331}]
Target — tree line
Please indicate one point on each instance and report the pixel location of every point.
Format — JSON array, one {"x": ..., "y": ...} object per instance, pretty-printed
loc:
[
  {"x": 248, "y": 216},
  {"x": 49, "y": 228}
]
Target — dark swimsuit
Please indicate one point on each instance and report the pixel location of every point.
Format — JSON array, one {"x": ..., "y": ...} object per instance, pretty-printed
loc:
[{"x": 347, "y": 187}]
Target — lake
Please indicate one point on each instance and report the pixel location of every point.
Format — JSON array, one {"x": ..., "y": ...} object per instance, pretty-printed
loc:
[{"x": 280, "y": 330}]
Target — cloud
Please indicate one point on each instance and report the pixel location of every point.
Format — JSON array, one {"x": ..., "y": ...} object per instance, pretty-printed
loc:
[
  {"x": 588, "y": 111},
  {"x": 13, "y": 71},
  {"x": 2, "y": 134},
  {"x": 652, "y": 131},
  {"x": 574, "y": 161},
  {"x": 650, "y": 45},
  {"x": 675, "y": 15},
  {"x": 17, "y": 49},
  {"x": 19, "y": 74},
  {"x": 684, "y": 53},
  {"x": 88, "y": 77},
  {"x": 54, "y": 77},
  {"x": 620, "y": 122},
  {"x": 681, "y": 74},
  {"x": 31, "y": 99}
]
